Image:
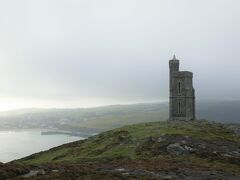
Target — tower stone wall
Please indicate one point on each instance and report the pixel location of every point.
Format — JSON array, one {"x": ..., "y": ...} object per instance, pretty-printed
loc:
[{"x": 182, "y": 93}]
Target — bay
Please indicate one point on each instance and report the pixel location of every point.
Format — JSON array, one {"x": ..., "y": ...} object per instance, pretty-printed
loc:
[{"x": 18, "y": 144}]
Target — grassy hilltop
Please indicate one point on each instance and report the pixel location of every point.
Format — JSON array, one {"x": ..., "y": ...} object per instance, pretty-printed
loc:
[
  {"x": 128, "y": 142},
  {"x": 160, "y": 150}
]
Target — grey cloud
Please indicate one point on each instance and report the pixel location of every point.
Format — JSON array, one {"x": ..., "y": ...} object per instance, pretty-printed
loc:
[{"x": 67, "y": 50}]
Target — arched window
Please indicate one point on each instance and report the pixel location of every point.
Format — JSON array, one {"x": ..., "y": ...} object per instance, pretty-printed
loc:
[
  {"x": 179, "y": 87},
  {"x": 179, "y": 107}
]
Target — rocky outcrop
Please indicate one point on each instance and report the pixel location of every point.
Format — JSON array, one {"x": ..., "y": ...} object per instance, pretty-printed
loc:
[
  {"x": 235, "y": 128},
  {"x": 184, "y": 145}
]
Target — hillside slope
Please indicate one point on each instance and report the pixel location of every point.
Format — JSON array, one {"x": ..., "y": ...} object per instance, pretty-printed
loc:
[
  {"x": 98, "y": 119},
  {"x": 174, "y": 150},
  {"x": 92, "y": 120}
]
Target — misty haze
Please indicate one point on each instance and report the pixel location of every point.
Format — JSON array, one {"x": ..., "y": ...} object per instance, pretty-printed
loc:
[{"x": 110, "y": 89}]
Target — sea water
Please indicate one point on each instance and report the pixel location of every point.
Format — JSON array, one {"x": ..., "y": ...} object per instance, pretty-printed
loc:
[{"x": 18, "y": 144}]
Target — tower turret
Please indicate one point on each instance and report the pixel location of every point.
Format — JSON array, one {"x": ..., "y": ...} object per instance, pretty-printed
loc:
[{"x": 174, "y": 64}]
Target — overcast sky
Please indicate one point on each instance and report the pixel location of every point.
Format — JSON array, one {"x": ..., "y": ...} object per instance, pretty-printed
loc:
[{"x": 80, "y": 53}]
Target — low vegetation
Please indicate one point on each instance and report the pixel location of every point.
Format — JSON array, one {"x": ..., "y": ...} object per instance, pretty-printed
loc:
[
  {"x": 193, "y": 148},
  {"x": 12, "y": 170},
  {"x": 124, "y": 142},
  {"x": 157, "y": 149}
]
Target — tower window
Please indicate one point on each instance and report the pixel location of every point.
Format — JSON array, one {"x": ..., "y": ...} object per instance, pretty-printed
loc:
[
  {"x": 179, "y": 107},
  {"x": 179, "y": 87}
]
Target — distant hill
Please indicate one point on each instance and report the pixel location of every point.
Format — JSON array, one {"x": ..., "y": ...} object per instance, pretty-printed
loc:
[
  {"x": 220, "y": 111},
  {"x": 158, "y": 150},
  {"x": 101, "y": 118},
  {"x": 109, "y": 117}
]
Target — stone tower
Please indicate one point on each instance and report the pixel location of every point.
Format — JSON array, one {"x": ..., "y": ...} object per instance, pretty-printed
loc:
[{"x": 182, "y": 93}]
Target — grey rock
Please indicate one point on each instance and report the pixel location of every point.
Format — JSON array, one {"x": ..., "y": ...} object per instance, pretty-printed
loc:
[{"x": 177, "y": 149}]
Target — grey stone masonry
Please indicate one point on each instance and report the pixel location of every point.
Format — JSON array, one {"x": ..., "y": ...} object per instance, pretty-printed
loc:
[{"x": 182, "y": 93}]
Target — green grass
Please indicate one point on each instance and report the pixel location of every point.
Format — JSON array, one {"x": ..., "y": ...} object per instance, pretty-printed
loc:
[
  {"x": 123, "y": 142},
  {"x": 48, "y": 156}
]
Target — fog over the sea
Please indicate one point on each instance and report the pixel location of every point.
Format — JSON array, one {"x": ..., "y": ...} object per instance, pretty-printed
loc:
[{"x": 79, "y": 53}]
